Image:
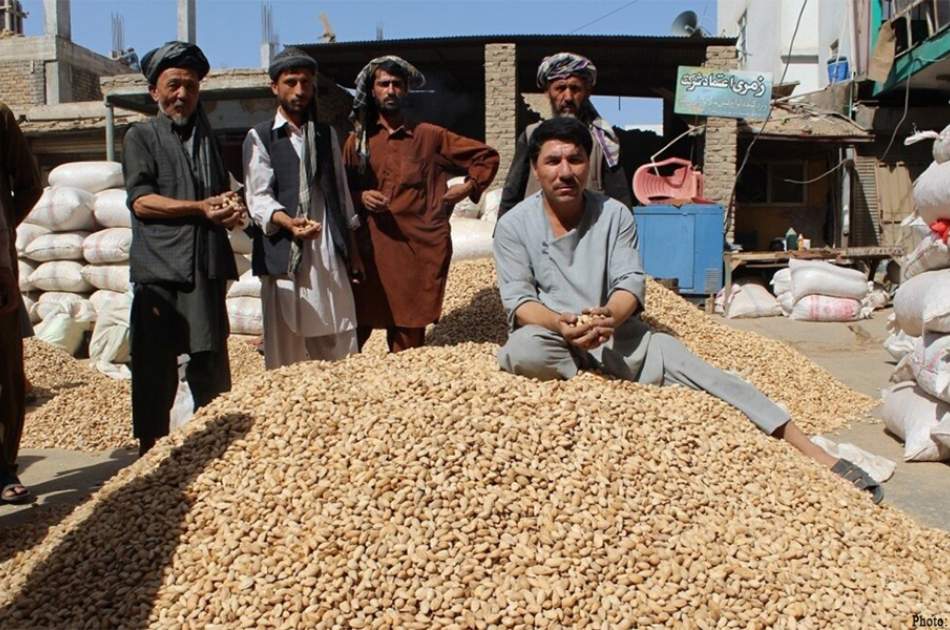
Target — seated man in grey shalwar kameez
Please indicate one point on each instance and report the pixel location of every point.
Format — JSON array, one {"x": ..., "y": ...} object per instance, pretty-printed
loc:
[{"x": 571, "y": 282}]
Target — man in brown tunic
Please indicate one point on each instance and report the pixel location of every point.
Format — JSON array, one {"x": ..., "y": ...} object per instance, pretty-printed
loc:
[
  {"x": 20, "y": 187},
  {"x": 397, "y": 174}
]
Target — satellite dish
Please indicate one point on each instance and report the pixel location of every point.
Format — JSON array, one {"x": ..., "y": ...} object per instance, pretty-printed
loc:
[{"x": 686, "y": 24}]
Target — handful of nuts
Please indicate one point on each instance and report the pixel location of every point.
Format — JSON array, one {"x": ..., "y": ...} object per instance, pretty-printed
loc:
[
  {"x": 587, "y": 318},
  {"x": 230, "y": 201}
]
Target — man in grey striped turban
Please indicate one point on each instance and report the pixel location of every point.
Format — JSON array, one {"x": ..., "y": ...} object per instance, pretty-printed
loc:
[{"x": 568, "y": 79}]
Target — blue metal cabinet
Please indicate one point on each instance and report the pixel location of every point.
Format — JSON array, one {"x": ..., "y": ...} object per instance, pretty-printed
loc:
[{"x": 685, "y": 243}]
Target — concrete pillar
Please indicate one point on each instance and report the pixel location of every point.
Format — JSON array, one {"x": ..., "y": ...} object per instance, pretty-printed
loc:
[
  {"x": 186, "y": 21},
  {"x": 501, "y": 104},
  {"x": 59, "y": 85},
  {"x": 8, "y": 15},
  {"x": 57, "y": 18},
  {"x": 267, "y": 54},
  {"x": 719, "y": 158}
]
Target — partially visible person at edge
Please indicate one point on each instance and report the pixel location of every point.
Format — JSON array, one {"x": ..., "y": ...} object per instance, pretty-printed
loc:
[
  {"x": 572, "y": 285},
  {"x": 568, "y": 79},
  {"x": 304, "y": 245},
  {"x": 180, "y": 260},
  {"x": 398, "y": 170},
  {"x": 20, "y": 188}
]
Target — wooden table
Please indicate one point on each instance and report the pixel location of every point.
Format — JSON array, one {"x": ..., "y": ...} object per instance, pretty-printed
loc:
[{"x": 840, "y": 256}]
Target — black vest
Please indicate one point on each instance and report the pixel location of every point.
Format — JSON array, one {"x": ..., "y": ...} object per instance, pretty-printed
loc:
[{"x": 271, "y": 254}]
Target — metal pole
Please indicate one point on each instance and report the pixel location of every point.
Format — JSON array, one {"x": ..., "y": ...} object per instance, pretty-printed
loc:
[{"x": 110, "y": 132}]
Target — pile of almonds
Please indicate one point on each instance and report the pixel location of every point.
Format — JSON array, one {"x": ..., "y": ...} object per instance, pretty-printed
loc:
[
  {"x": 429, "y": 489},
  {"x": 78, "y": 408}
]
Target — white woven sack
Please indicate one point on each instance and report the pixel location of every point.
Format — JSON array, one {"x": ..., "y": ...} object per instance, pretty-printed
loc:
[
  {"x": 923, "y": 303},
  {"x": 782, "y": 281},
  {"x": 74, "y": 304},
  {"x": 29, "y": 303},
  {"x": 491, "y": 202},
  {"x": 245, "y": 316},
  {"x": 248, "y": 285},
  {"x": 103, "y": 299},
  {"x": 930, "y": 254},
  {"x": 471, "y": 238},
  {"x": 110, "y": 337},
  {"x": 107, "y": 246},
  {"x": 786, "y": 301},
  {"x": 941, "y": 433},
  {"x": 56, "y": 246},
  {"x": 90, "y": 176},
  {"x": 932, "y": 193},
  {"x": 825, "y": 308},
  {"x": 24, "y": 269},
  {"x": 750, "y": 300},
  {"x": 911, "y": 415},
  {"x": 63, "y": 209},
  {"x": 930, "y": 364},
  {"x": 817, "y": 277},
  {"x": 110, "y": 208},
  {"x": 25, "y": 233},
  {"x": 108, "y": 277},
  {"x": 243, "y": 264},
  {"x": 60, "y": 275},
  {"x": 899, "y": 344},
  {"x": 241, "y": 243},
  {"x": 466, "y": 208}
]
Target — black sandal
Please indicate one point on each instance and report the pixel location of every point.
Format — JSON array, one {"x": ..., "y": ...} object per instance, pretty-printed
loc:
[
  {"x": 9, "y": 484},
  {"x": 861, "y": 480}
]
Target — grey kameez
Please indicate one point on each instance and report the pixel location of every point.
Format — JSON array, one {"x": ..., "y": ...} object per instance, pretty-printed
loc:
[{"x": 579, "y": 270}]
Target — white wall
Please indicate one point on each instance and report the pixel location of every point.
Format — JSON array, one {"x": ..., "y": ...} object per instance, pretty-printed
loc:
[{"x": 771, "y": 24}]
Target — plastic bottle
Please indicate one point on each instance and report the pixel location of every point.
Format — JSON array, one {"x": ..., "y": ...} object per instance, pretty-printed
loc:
[{"x": 791, "y": 240}]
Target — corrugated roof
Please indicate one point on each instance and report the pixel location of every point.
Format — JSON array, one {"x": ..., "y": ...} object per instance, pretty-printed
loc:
[{"x": 799, "y": 120}]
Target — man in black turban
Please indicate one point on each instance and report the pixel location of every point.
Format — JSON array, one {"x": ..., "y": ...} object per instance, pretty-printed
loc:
[
  {"x": 181, "y": 259},
  {"x": 299, "y": 201}
]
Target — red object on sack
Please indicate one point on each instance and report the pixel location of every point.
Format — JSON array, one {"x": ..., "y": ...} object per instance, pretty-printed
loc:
[
  {"x": 941, "y": 227},
  {"x": 650, "y": 186}
]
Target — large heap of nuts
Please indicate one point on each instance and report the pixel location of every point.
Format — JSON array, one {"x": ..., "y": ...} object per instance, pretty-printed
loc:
[
  {"x": 78, "y": 408},
  {"x": 429, "y": 489},
  {"x": 83, "y": 410}
]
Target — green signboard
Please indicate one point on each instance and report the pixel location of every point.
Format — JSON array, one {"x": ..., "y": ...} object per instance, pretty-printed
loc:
[{"x": 723, "y": 93}]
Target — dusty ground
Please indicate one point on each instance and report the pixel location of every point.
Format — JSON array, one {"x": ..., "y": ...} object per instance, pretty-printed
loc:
[{"x": 852, "y": 352}]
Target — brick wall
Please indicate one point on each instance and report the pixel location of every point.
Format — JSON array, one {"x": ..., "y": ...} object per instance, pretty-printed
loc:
[
  {"x": 501, "y": 100},
  {"x": 719, "y": 158},
  {"x": 22, "y": 84},
  {"x": 85, "y": 85}
]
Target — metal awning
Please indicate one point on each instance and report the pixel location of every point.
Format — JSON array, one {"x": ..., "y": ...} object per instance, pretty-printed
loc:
[{"x": 799, "y": 121}]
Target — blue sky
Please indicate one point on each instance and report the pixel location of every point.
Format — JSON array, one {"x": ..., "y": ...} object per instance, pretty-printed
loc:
[{"x": 229, "y": 31}]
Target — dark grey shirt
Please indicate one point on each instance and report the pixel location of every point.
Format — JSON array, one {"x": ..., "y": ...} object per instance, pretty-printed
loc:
[{"x": 156, "y": 161}]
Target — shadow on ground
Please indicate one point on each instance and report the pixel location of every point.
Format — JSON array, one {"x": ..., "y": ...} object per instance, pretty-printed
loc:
[
  {"x": 482, "y": 320},
  {"x": 133, "y": 532}
]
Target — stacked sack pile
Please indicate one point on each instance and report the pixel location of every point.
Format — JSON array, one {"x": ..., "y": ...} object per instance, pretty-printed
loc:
[
  {"x": 73, "y": 251},
  {"x": 917, "y": 407},
  {"x": 818, "y": 291}
]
